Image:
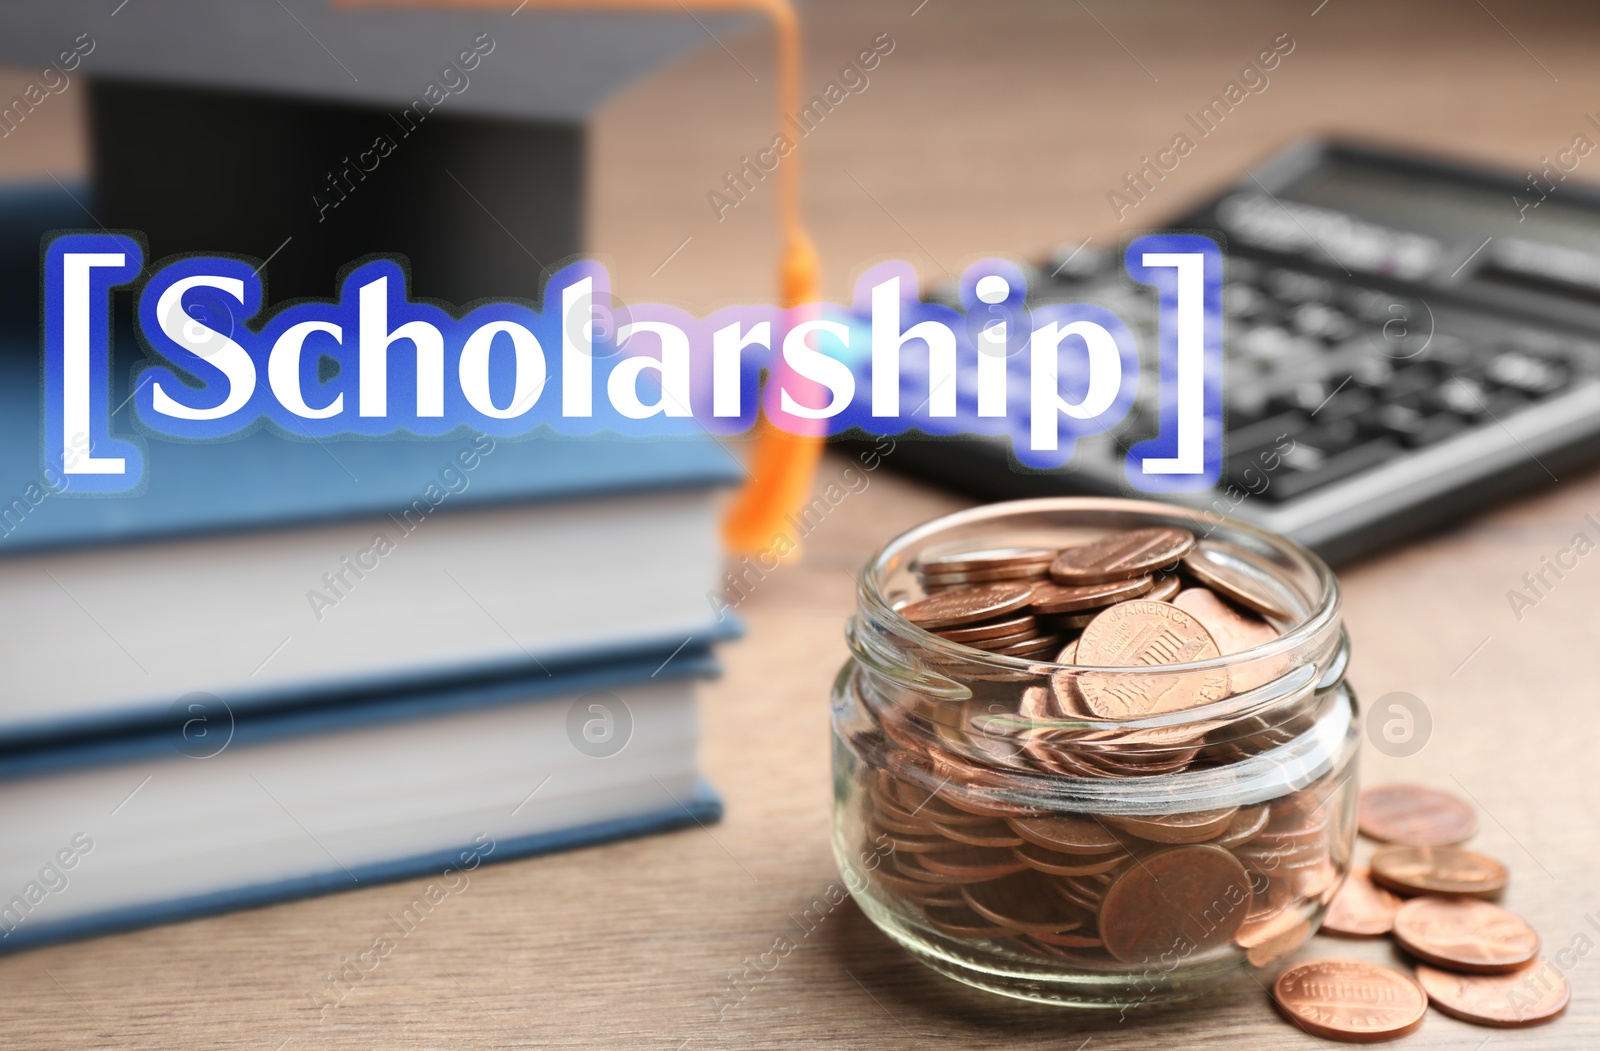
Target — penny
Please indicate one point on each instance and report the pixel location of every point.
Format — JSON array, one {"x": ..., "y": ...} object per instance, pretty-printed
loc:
[
  {"x": 959, "y": 921},
  {"x": 919, "y": 891},
  {"x": 1141, "y": 633},
  {"x": 1119, "y": 556},
  {"x": 1035, "y": 647},
  {"x": 1067, "y": 834},
  {"x": 1062, "y": 598},
  {"x": 1033, "y": 571},
  {"x": 967, "y": 605},
  {"x": 1191, "y": 895},
  {"x": 1087, "y": 892},
  {"x": 1073, "y": 940},
  {"x": 1350, "y": 1000},
  {"x": 959, "y": 864},
  {"x": 1057, "y": 863},
  {"x": 1527, "y": 997},
  {"x": 1232, "y": 632},
  {"x": 904, "y": 843},
  {"x": 990, "y": 629},
  {"x": 1416, "y": 816},
  {"x": 1273, "y": 937},
  {"x": 1245, "y": 826},
  {"x": 994, "y": 834},
  {"x": 1195, "y": 827},
  {"x": 1076, "y": 956},
  {"x": 1465, "y": 935},
  {"x": 1027, "y": 902},
  {"x": 1445, "y": 871},
  {"x": 1076, "y": 621},
  {"x": 999, "y": 642},
  {"x": 1164, "y": 586},
  {"x": 1069, "y": 655},
  {"x": 1235, "y": 576},
  {"x": 989, "y": 558},
  {"x": 1361, "y": 909}
]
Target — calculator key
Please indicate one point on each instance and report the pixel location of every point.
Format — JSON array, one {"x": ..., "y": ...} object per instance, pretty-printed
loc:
[
  {"x": 1262, "y": 433},
  {"x": 1321, "y": 321},
  {"x": 1306, "y": 467},
  {"x": 1296, "y": 287},
  {"x": 1412, "y": 379},
  {"x": 1414, "y": 428},
  {"x": 1526, "y": 372}
]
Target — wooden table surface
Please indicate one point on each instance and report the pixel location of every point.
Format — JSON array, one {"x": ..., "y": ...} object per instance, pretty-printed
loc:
[{"x": 989, "y": 128}]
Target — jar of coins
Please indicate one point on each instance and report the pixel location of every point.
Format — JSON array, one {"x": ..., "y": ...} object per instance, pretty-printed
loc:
[{"x": 1094, "y": 752}]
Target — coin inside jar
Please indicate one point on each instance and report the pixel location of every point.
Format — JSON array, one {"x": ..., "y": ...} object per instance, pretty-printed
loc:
[
  {"x": 1062, "y": 598},
  {"x": 1233, "y": 575},
  {"x": 991, "y": 558},
  {"x": 1198, "y": 895},
  {"x": 1147, "y": 634},
  {"x": 1465, "y": 935},
  {"x": 1350, "y": 1000},
  {"x": 949, "y": 609},
  {"x": 1121, "y": 556}
]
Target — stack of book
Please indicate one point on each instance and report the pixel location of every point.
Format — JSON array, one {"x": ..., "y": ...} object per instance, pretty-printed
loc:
[{"x": 291, "y": 667}]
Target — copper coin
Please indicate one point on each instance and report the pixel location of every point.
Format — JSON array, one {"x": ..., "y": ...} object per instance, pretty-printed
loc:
[
  {"x": 967, "y": 605},
  {"x": 1182, "y": 899},
  {"x": 1120, "y": 556},
  {"x": 994, "y": 834},
  {"x": 1063, "y": 598},
  {"x": 1074, "y": 940},
  {"x": 1235, "y": 576},
  {"x": 1350, "y": 1000},
  {"x": 1164, "y": 586},
  {"x": 1232, "y": 631},
  {"x": 1067, "y": 834},
  {"x": 1147, "y": 634},
  {"x": 1272, "y": 937},
  {"x": 1077, "y": 956},
  {"x": 1036, "y": 571},
  {"x": 1069, "y": 655},
  {"x": 989, "y": 558},
  {"x": 1527, "y": 997},
  {"x": 1245, "y": 826},
  {"x": 1416, "y": 816},
  {"x": 1445, "y": 871},
  {"x": 1194, "y": 827},
  {"x": 1027, "y": 902},
  {"x": 1042, "y": 645},
  {"x": 920, "y": 891},
  {"x": 1086, "y": 892},
  {"x": 1465, "y": 935},
  {"x": 968, "y": 864},
  {"x": 1361, "y": 909},
  {"x": 1057, "y": 863},
  {"x": 1000, "y": 642},
  {"x": 989, "y": 629},
  {"x": 959, "y": 921}
]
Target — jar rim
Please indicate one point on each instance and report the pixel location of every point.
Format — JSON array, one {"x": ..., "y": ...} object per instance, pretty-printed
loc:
[{"x": 873, "y": 602}]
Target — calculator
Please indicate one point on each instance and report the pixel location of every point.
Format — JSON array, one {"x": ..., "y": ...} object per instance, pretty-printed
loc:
[{"x": 1406, "y": 339}]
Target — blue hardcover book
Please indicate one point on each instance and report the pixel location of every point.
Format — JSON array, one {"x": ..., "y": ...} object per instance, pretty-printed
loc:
[
  {"x": 267, "y": 569},
  {"x": 222, "y": 810}
]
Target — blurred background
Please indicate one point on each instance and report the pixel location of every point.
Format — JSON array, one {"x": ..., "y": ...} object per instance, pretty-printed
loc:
[{"x": 996, "y": 129}]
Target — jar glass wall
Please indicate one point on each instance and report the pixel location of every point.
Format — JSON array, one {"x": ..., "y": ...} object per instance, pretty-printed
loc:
[{"x": 1016, "y": 838}]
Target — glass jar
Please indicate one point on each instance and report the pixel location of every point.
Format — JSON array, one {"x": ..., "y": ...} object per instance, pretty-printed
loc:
[{"x": 1062, "y": 856}]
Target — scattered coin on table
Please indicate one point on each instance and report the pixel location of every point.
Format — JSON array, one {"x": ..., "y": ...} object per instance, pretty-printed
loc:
[{"x": 1415, "y": 816}]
